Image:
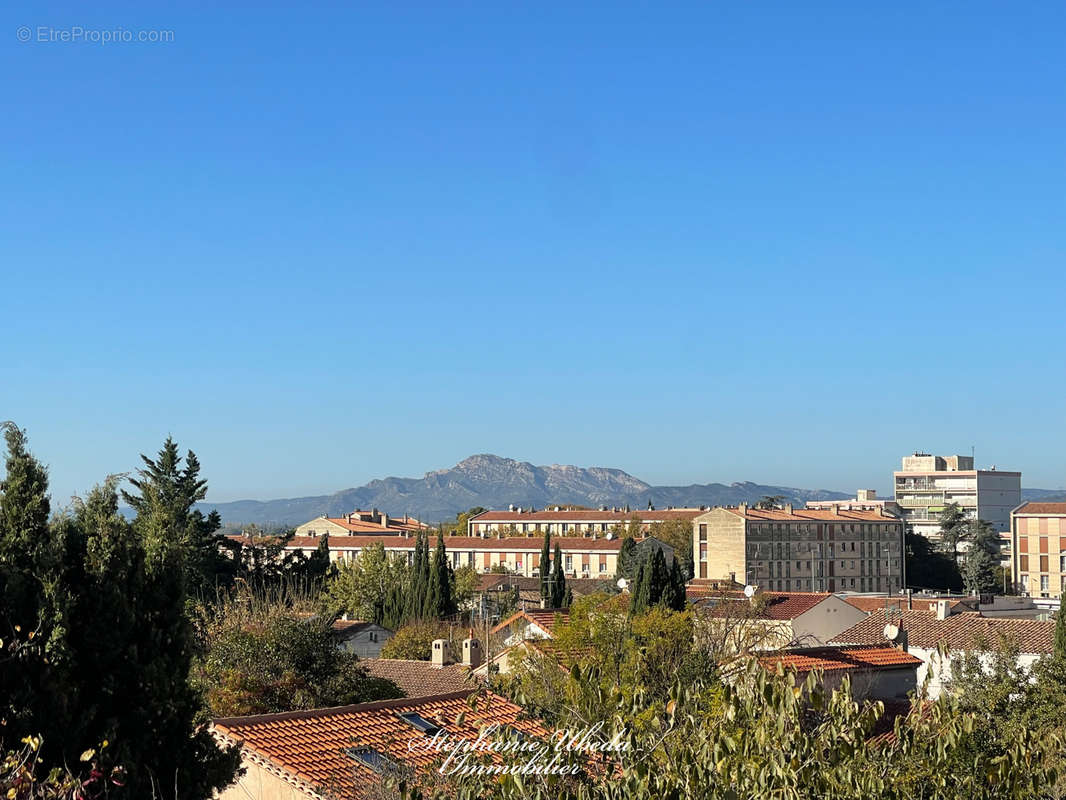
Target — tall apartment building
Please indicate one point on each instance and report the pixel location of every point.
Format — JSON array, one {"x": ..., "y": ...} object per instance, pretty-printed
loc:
[
  {"x": 1038, "y": 548},
  {"x": 801, "y": 550},
  {"x": 865, "y": 500},
  {"x": 927, "y": 484}
]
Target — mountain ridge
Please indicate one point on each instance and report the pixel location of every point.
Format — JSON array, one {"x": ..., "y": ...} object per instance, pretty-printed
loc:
[{"x": 492, "y": 481}]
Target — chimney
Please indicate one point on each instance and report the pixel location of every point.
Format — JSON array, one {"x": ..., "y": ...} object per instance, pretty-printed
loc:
[
  {"x": 836, "y": 509},
  {"x": 742, "y": 508},
  {"x": 471, "y": 653},
  {"x": 788, "y": 508},
  {"x": 910, "y": 599},
  {"x": 442, "y": 654},
  {"x": 510, "y": 507},
  {"x": 384, "y": 520},
  {"x": 943, "y": 609}
]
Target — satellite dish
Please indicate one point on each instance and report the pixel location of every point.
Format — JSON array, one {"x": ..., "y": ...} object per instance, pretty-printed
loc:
[
  {"x": 622, "y": 584},
  {"x": 749, "y": 590},
  {"x": 891, "y": 632}
]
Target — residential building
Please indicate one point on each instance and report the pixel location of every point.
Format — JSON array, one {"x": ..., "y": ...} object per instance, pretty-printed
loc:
[
  {"x": 922, "y": 633},
  {"x": 927, "y": 484},
  {"x": 865, "y": 500},
  {"x": 365, "y": 639},
  {"x": 563, "y": 522},
  {"x": 786, "y": 549},
  {"x": 1038, "y": 548},
  {"x": 870, "y": 603},
  {"x": 344, "y": 752},
  {"x": 772, "y": 620},
  {"x": 877, "y": 672},
  {"x": 525, "y": 625},
  {"x": 366, "y": 523},
  {"x": 494, "y": 588},
  {"x": 582, "y": 557}
]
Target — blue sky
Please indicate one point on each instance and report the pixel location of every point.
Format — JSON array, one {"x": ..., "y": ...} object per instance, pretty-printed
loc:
[{"x": 701, "y": 242}]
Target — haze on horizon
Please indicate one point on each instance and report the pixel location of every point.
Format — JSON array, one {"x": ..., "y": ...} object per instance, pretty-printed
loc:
[{"x": 786, "y": 245}]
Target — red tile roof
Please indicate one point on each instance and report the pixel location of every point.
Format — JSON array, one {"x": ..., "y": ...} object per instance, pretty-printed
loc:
[
  {"x": 830, "y": 659},
  {"x": 1042, "y": 508},
  {"x": 965, "y": 631},
  {"x": 420, "y": 678},
  {"x": 543, "y": 618},
  {"x": 308, "y": 747},
  {"x": 588, "y": 516},
  {"x": 769, "y": 605}
]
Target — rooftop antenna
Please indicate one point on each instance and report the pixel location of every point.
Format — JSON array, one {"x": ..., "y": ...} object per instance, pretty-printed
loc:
[{"x": 749, "y": 591}]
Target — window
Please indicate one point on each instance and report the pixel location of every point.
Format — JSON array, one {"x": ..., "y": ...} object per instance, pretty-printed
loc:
[
  {"x": 569, "y": 563},
  {"x": 703, "y": 533},
  {"x": 603, "y": 565},
  {"x": 373, "y": 636},
  {"x": 1044, "y": 584},
  {"x": 418, "y": 722},
  {"x": 369, "y": 757}
]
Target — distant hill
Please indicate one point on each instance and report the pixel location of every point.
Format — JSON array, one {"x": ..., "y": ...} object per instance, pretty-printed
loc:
[{"x": 495, "y": 482}]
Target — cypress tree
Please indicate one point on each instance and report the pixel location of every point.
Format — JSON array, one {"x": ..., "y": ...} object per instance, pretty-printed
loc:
[
  {"x": 558, "y": 579},
  {"x": 639, "y": 590},
  {"x": 658, "y": 577},
  {"x": 440, "y": 595},
  {"x": 675, "y": 598},
  {"x": 545, "y": 569},
  {"x": 1059, "y": 646},
  {"x": 626, "y": 559}
]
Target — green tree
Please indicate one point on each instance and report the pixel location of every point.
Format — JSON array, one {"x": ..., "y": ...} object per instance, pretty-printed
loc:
[
  {"x": 981, "y": 559},
  {"x": 465, "y": 582},
  {"x": 108, "y": 621},
  {"x": 415, "y": 640},
  {"x": 954, "y": 529},
  {"x": 262, "y": 657},
  {"x": 558, "y": 580},
  {"x": 360, "y": 587},
  {"x": 545, "y": 569},
  {"x": 440, "y": 597},
  {"x": 640, "y": 590},
  {"x": 627, "y": 558},
  {"x": 170, "y": 526},
  {"x": 929, "y": 568},
  {"x": 1060, "y": 635}
]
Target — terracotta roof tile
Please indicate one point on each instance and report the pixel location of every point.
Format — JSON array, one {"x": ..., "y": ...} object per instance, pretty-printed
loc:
[
  {"x": 1042, "y": 508},
  {"x": 420, "y": 678},
  {"x": 965, "y": 631},
  {"x": 811, "y": 515},
  {"x": 544, "y": 618},
  {"x": 394, "y": 541},
  {"x": 309, "y": 746},
  {"x": 830, "y": 659}
]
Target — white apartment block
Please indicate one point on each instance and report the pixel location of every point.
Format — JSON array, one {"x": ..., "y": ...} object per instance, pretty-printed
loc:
[{"x": 927, "y": 484}]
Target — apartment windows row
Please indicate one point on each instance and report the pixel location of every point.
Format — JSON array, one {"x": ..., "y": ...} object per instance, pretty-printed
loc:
[{"x": 860, "y": 584}]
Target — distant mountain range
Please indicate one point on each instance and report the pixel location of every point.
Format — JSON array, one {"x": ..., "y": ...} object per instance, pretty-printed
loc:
[{"x": 495, "y": 482}]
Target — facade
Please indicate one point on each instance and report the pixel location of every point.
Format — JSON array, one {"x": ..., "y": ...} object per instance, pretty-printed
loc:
[
  {"x": 865, "y": 500},
  {"x": 926, "y": 484},
  {"x": 1038, "y": 549},
  {"x": 772, "y": 620},
  {"x": 582, "y": 557},
  {"x": 922, "y": 633},
  {"x": 365, "y": 639},
  {"x": 560, "y": 522},
  {"x": 877, "y": 672},
  {"x": 370, "y": 523},
  {"x": 805, "y": 550}
]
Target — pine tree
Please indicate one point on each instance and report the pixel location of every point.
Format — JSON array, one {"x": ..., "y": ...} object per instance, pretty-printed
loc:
[
  {"x": 317, "y": 566},
  {"x": 172, "y": 529},
  {"x": 981, "y": 559},
  {"x": 545, "y": 569},
  {"x": 111, "y": 624}
]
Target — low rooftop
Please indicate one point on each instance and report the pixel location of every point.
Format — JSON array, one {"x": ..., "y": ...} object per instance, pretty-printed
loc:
[
  {"x": 420, "y": 678},
  {"x": 835, "y": 659},
  {"x": 966, "y": 631}
]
